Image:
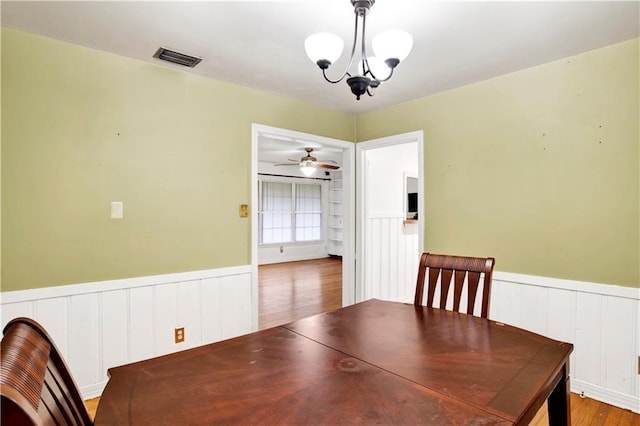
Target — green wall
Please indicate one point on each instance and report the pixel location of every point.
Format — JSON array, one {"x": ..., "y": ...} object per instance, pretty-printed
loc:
[
  {"x": 539, "y": 168},
  {"x": 82, "y": 128}
]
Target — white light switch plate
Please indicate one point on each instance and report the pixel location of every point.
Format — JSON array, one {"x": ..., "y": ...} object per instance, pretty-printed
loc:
[{"x": 117, "y": 210}]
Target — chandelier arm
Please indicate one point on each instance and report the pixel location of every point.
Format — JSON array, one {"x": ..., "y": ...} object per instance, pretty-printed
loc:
[
  {"x": 353, "y": 51},
  {"x": 388, "y": 77}
]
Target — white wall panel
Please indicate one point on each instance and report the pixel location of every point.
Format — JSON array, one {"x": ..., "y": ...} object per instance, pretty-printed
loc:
[
  {"x": 601, "y": 321},
  {"x": 53, "y": 315},
  {"x": 83, "y": 337},
  {"x": 100, "y": 325},
  {"x": 141, "y": 326},
  {"x": 114, "y": 326},
  {"x": 164, "y": 319},
  {"x": 588, "y": 339},
  {"x": 616, "y": 343},
  {"x": 188, "y": 312},
  {"x": 392, "y": 259},
  {"x": 533, "y": 313},
  {"x": 561, "y": 321},
  {"x": 235, "y": 312},
  {"x": 211, "y": 308},
  {"x": 505, "y": 303},
  {"x": 15, "y": 310}
]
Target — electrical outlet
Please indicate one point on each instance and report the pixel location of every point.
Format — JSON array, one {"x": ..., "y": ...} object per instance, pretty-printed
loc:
[{"x": 179, "y": 334}]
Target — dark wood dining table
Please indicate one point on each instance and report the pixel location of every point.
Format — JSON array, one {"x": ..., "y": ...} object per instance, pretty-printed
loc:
[{"x": 374, "y": 362}]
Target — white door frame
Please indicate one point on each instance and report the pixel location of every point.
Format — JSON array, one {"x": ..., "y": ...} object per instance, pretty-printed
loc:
[
  {"x": 361, "y": 213},
  {"x": 348, "y": 191}
]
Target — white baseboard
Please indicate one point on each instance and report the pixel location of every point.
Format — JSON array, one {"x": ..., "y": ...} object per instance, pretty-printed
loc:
[{"x": 607, "y": 396}]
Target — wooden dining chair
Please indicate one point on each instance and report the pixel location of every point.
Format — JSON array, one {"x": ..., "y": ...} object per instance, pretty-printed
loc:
[
  {"x": 440, "y": 268},
  {"x": 35, "y": 384}
]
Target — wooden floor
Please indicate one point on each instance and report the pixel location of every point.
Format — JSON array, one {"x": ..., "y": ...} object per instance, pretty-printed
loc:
[
  {"x": 295, "y": 290},
  {"x": 589, "y": 412},
  {"x": 290, "y": 291}
]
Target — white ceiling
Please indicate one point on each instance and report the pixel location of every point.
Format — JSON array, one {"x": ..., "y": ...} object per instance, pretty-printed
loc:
[{"x": 260, "y": 44}]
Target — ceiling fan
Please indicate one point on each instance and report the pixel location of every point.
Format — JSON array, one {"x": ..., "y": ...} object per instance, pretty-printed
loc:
[{"x": 308, "y": 164}]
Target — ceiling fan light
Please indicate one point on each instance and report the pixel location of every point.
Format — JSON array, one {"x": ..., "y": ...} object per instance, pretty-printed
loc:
[
  {"x": 307, "y": 170},
  {"x": 395, "y": 44},
  {"x": 323, "y": 46}
]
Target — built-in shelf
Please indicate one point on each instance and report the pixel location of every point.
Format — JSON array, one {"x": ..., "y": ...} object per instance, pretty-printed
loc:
[{"x": 334, "y": 241}]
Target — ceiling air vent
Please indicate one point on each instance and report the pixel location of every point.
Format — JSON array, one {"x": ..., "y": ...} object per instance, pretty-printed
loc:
[{"x": 177, "y": 57}]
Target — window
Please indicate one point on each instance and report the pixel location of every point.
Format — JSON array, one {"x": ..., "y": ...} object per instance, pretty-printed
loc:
[
  {"x": 289, "y": 212},
  {"x": 308, "y": 212},
  {"x": 276, "y": 212}
]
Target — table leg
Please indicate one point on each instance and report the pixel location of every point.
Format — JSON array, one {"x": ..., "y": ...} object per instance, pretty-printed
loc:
[{"x": 559, "y": 402}]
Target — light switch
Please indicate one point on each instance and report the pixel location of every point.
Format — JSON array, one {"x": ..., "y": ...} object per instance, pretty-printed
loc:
[
  {"x": 117, "y": 210},
  {"x": 244, "y": 210}
]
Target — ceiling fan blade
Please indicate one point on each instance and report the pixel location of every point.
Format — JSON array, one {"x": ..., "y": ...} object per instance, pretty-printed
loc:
[
  {"x": 327, "y": 165},
  {"x": 286, "y": 164}
]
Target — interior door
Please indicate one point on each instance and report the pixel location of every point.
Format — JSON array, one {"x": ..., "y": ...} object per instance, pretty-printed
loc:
[{"x": 390, "y": 220}]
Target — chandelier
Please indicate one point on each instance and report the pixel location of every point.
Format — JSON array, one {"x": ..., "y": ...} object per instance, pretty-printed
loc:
[{"x": 390, "y": 47}]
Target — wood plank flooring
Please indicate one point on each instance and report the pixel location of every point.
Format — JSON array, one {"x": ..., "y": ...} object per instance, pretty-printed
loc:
[
  {"x": 294, "y": 290},
  {"x": 589, "y": 412}
]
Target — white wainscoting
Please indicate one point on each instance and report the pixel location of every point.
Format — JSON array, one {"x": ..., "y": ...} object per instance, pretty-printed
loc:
[
  {"x": 392, "y": 259},
  {"x": 100, "y": 325},
  {"x": 602, "y": 322}
]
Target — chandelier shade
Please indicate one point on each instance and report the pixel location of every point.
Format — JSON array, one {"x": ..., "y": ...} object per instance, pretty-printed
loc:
[
  {"x": 323, "y": 46},
  {"x": 390, "y": 47},
  {"x": 394, "y": 44}
]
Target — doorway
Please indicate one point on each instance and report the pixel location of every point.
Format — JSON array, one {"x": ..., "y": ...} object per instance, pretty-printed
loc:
[
  {"x": 390, "y": 215},
  {"x": 292, "y": 146}
]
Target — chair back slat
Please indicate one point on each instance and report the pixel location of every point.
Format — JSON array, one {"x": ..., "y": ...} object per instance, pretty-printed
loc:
[
  {"x": 445, "y": 282},
  {"x": 35, "y": 383},
  {"x": 466, "y": 270},
  {"x": 472, "y": 282},
  {"x": 433, "y": 278},
  {"x": 457, "y": 290}
]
